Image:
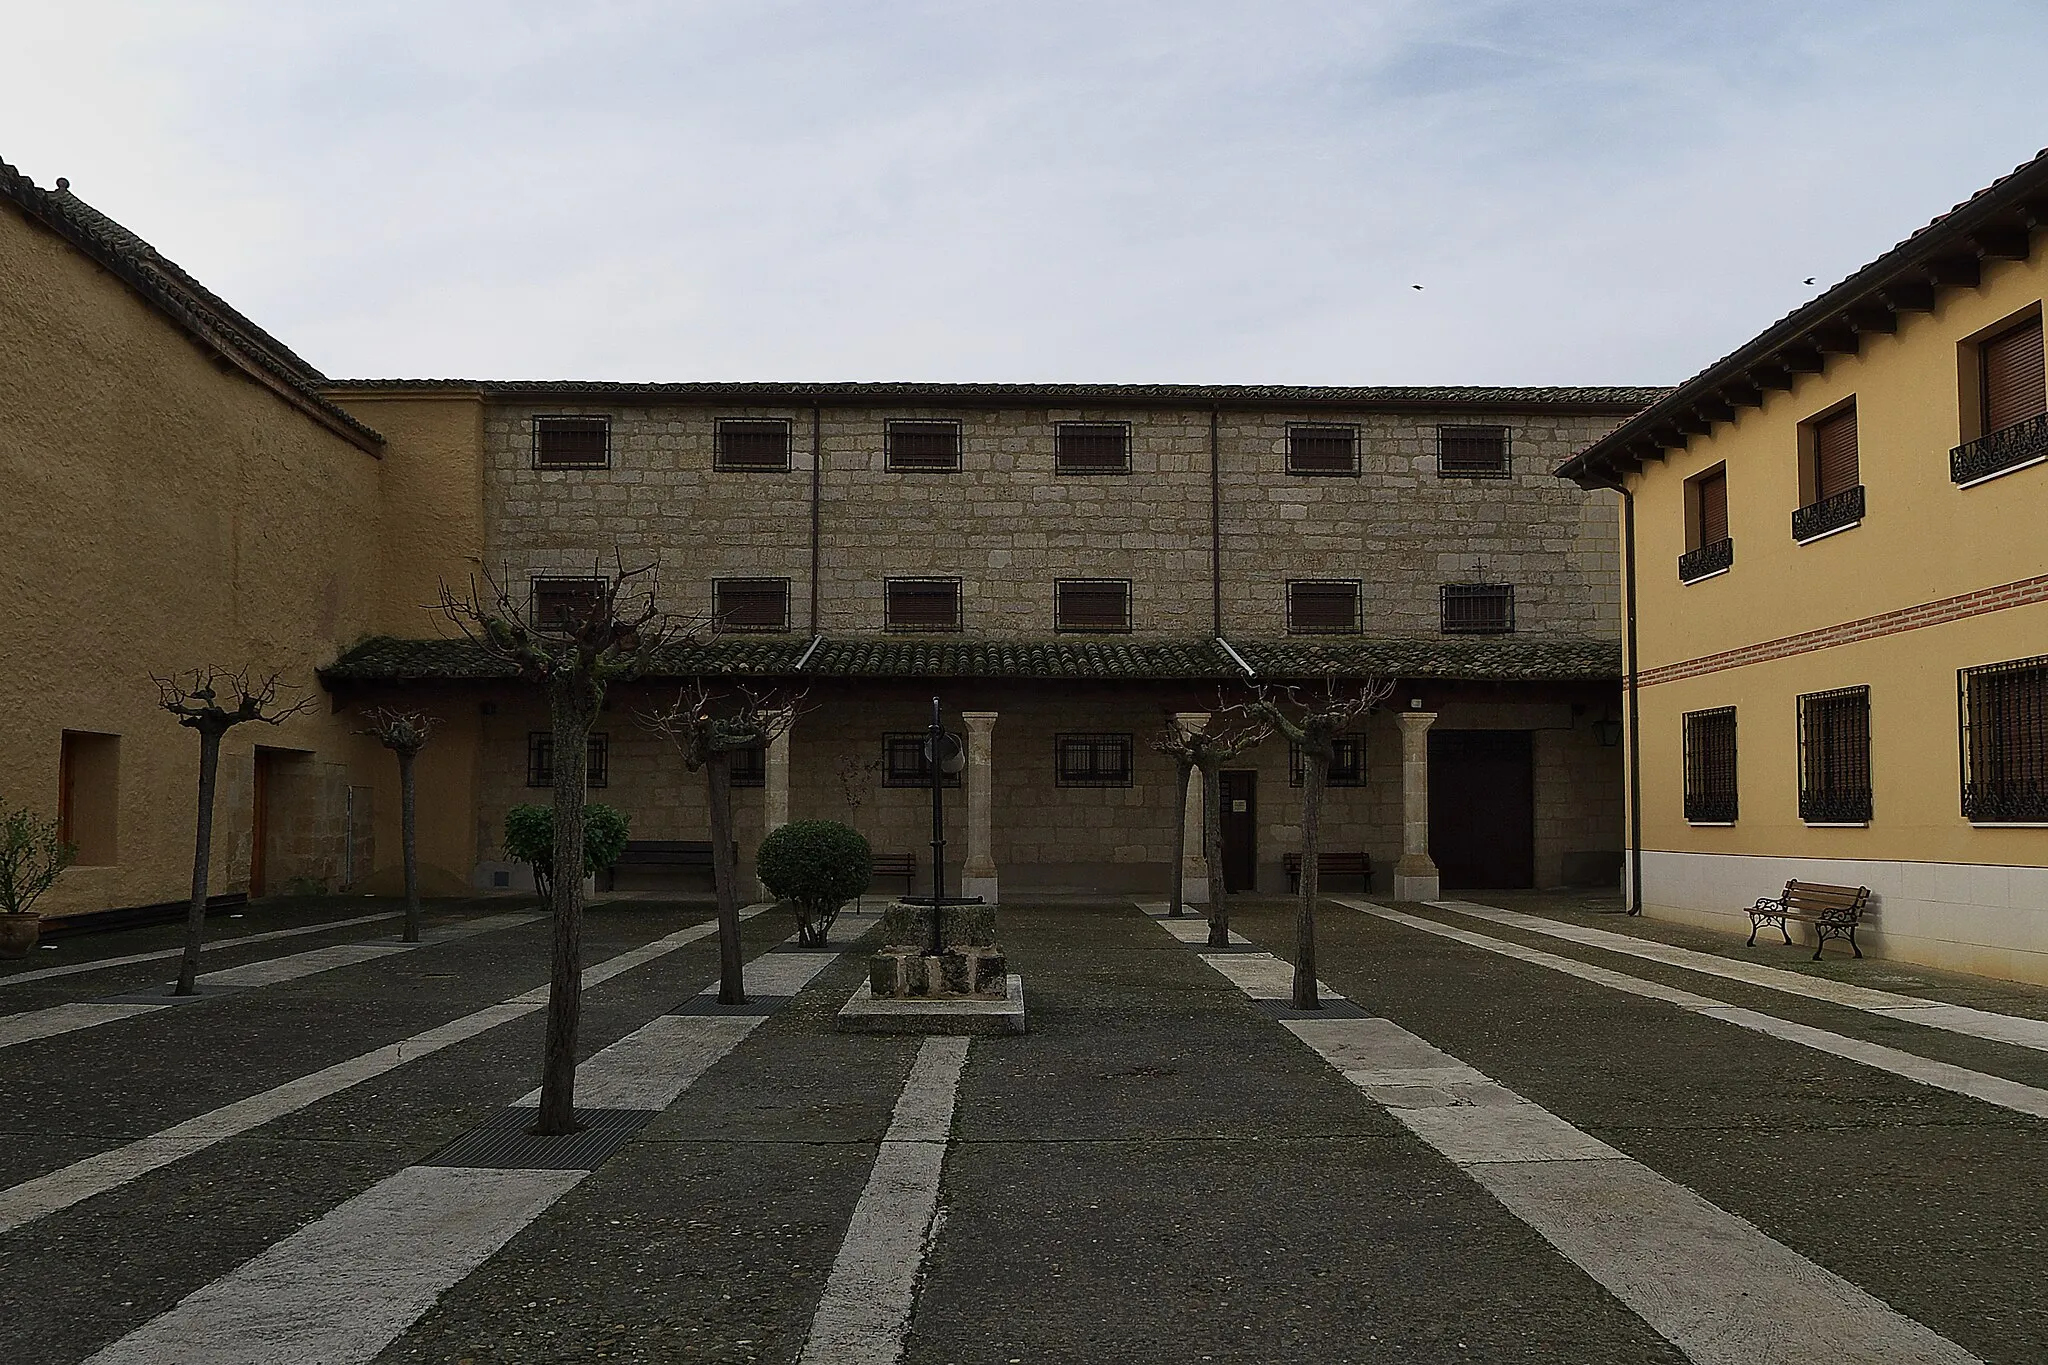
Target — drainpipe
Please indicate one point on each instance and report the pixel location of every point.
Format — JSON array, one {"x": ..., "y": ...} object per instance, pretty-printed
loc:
[
  {"x": 1215, "y": 523},
  {"x": 817, "y": 478},
  {"x": 1635, "y": 714}
]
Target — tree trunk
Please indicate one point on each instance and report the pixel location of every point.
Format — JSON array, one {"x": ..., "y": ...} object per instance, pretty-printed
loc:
[
  {"x": 571, "y": 721},
  {"x": 1212, "y": 853},
  {"x": 732, "y": 981},
  {"x": 1318, "y": 772},
  {"x": 1180, "y": 837},
  {"x": 412, "y": 862},
  {"x": 202, "y": 857}
]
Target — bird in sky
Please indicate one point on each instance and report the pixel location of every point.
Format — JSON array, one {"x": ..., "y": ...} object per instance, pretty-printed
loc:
[
  {"x": 1415, "y": 286},
  {"x": 1808, "y": 280}
]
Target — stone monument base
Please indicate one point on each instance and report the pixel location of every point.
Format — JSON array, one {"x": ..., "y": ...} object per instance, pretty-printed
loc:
[
  {"x": 963, "y": 987},
  {"x": 977, "y": 1016}
]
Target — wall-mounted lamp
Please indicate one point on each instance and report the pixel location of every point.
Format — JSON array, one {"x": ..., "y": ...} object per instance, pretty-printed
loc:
[{"x": 1607, "y": 730}]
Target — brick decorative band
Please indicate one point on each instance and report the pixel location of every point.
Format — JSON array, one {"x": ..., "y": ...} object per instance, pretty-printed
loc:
[{"x": 2025, "y": 592}]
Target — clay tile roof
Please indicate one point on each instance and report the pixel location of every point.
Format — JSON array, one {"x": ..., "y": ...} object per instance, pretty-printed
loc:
[
  {"x": 1504, "y": 658},
  {"x": 190, "y": 305}
]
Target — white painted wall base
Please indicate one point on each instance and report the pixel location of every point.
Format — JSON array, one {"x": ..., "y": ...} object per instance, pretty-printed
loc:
[{"x": 1991, "y": 920}]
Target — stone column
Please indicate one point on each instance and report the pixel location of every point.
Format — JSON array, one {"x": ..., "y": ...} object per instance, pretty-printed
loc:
[
  {"x": 978, "y": 874},
  {"x": 1415, "y": 875},
  {"x": 1194, "y": 868},
  {"x": 774, "y": 789}
]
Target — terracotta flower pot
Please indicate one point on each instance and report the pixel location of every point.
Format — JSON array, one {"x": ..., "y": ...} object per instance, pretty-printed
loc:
[{"x": 18, "y": 934}]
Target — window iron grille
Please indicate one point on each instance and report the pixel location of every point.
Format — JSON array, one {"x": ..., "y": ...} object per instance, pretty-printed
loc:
[
  {"x": 1092, "y": 604},
  {"x": 1322, "y": 450},
  {"x": 562, "y": 604},
  {"x": 921, "y": 604},
  {"x": 1092, "y": 448},
  {"x": 904, "y": 763},
  {"x": 572, "y": 442},
  {"x": 1322, "y": 608},
  {"x": 540, "y": 760},
  {"x": 1834, "y": 757},
  {"x": 1092, "y": 760},
  {"x": 748, "y": 604},
  {"x": 752, "y": 444},
  {"x": 1816, "y": 519},
  {"x": 922, "y": 447},
  {"x": 1710, "y": 786},
  {"x": 748, "y": 767},
  {"x": 1709, "y": 559},
  {"x": 2004, "y": 735},
  {"x": 1473, "y": 452},
  {"x": 2022, "y": 443},
  {"x": 1478, "y": 608},
  {"x": 1347, "y": 764}
]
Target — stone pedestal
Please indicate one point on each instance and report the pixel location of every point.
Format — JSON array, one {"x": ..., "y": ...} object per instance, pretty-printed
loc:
[
  {"x": 964, "y": 988},
  {"x": 1415, "y": 875},
  {"x": 1194, "y": 868},
  {"x": 978, "y": 873}
]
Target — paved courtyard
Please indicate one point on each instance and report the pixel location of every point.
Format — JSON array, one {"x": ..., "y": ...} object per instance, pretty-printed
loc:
[{"x": 1523, "y": 1128}]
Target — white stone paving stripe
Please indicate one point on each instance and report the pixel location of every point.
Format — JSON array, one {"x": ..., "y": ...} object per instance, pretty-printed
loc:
[
  {"x": 109, "y": 1170},
  {"x": 865, "y": 1310},
  {"x": 344, "y": 1287},
  {"x": 75, "y": 968},
  {"x": 1189, "y": 928},
  {"x": 1986, "y": 1024},
  {"x": 1960, "y": 1080},
  {"x": 1712, "y": 1284},
  {"x": 1262, "y": 976},
  {"x": 60, "y": 1019}
]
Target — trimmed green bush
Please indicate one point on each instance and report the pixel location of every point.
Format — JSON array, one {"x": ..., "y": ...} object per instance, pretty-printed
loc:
[
  {"x": 817, "y": 866},
  {"x": 31, "y": 858},
  {"x": 530, "y": 839}
]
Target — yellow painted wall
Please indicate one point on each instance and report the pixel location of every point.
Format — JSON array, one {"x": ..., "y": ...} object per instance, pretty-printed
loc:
[{"x": 162, "y": 512}]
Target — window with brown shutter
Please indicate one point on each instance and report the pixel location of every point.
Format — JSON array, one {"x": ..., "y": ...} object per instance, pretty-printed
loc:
[
  {"x": 2013, "y": 380},
  {"x": 1472, "y": 452},
  {"x": 2005, "y": 741},
  {"x": 752, "y": 444},
  {"x": 921, "y": 603},
  {"x": 563, "y": 603},
  {"x": 572, "y": 442},
  {"x": 1092, "y": 448},
  {"x": 1709, "y": 550},
  {"x": 750, "y": 603},
  {"x": 1834, "y": 455},
  {"x": 1830, "y": 476},
  {"x": 1834, "y": 757},
  {"x": 1092, "y": 604},
  {"x": 1710, "y": 785},
  {"x": 1713, "y": 508},
  {"x": 1478, "y": 608},
  {"x": 1322, "y": 450},
  {"x": 1322, "y": 608},
  {"x": 922, "y": 447}
]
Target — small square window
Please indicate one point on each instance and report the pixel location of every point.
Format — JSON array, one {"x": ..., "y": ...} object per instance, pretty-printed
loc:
[
  {"x": 752, "y": 445},
  {"x": 922, "y": 447},
  {"x": 1710, "y": 787},
  {"x": 1347, "y": 766},
  {"x": 562, "y": 604},
  {"x": 1472, "y": 452},
  {"x": 1092, "y": 760},
  {"x": 1322, "y": 608},
  {"x": 1322, "y": 450},
  {"x": 540, "y": 759},
  {"x": 750, "y": 604},
  {"x": 921, "y": 603},
  {"x": 749, "y": 767},
  {"x": 1092, "y": 604},
  {"x": 1478, "y": 608},
  {"x": 904, "y": 763},
  {"x": 1092, "y": 448},
  {"x": 572, "y": 442}
]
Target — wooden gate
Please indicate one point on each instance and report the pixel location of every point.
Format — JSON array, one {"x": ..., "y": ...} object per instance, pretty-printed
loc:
[{"x": 1482, "y": 808}]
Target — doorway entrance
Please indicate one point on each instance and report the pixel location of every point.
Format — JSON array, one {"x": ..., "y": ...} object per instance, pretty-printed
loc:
[
  {"x": 1240, "y": 830},
  {"x": 1482, "y": 808}
]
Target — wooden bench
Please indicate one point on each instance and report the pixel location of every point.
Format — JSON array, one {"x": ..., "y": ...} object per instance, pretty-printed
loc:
[
  {"x": 685, "y": 853},
  {"x": 1833, "y": 911},
  {"x": 1357, "y": 865},
  {"x": 902, "y": 865}
]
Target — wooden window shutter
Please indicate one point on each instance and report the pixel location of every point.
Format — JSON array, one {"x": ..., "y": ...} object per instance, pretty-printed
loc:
[
  {"x": 1322, "y": 608},
  {"x": 751, "y": 603},
  {"x": 1093, "y": 605},
  {"x": 2014, "y": 384},
  {"x": 923, "y": 604},
  {"x": 1834, "y": 456},
  {"x": 1713, "y": 513},
  {"x": 752, "y": 443}
]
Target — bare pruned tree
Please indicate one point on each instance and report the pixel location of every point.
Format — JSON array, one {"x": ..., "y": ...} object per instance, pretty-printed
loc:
[
  {"x": 404, "y": 733},
  {"x": 196, "y": 699},
  {"x": 1313, "y": 724},
  {"x": 708, "y": 729},
  {"x": 1233, "y": 729},
  {"x": 573, "y": 648}
]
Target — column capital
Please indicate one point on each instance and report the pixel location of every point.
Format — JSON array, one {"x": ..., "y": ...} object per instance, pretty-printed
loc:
[
  {"x": 979, "y": 720},
  {"x": 1191, "y": 722},
  {"x": 1416, "y": 720}
]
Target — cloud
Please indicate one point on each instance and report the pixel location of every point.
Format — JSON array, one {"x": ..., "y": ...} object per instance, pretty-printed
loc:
[{"x": 1198, "y": 191}]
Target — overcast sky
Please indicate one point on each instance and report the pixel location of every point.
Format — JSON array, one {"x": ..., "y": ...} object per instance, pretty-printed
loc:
[{"x": 1106, "y": 190}]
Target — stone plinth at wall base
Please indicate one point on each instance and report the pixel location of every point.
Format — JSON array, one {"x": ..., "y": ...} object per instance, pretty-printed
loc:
[
  {"x": 984, "y": 887},
  {"x": 965, "y": 1015},
  {"x": 1415, "y": 888}
]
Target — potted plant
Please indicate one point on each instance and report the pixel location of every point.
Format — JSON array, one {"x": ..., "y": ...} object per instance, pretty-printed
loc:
[
  {"x": 816, "y": 866},
  {"x": 31, "y": 856}
]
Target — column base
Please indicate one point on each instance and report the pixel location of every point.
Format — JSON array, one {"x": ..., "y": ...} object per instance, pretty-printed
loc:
[
  {"x": 1195, "y": 888},
  {"x": 984, "y": 887},
  {"x": 1415, "y": 878}
]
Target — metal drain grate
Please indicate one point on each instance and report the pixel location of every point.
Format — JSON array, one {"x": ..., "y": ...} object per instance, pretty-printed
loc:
[
  {"x": 502, "y": 1143},
  {"x": 1333, "y": 1008},
  {"x": 756, "y": 1006}
]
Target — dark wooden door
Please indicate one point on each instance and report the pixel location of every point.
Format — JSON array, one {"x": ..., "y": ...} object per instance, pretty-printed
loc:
[
  {"x": 1240, "y": 831},
  {"x": 1482, "y": 808},
  {"x": 259, "y": 824}
]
